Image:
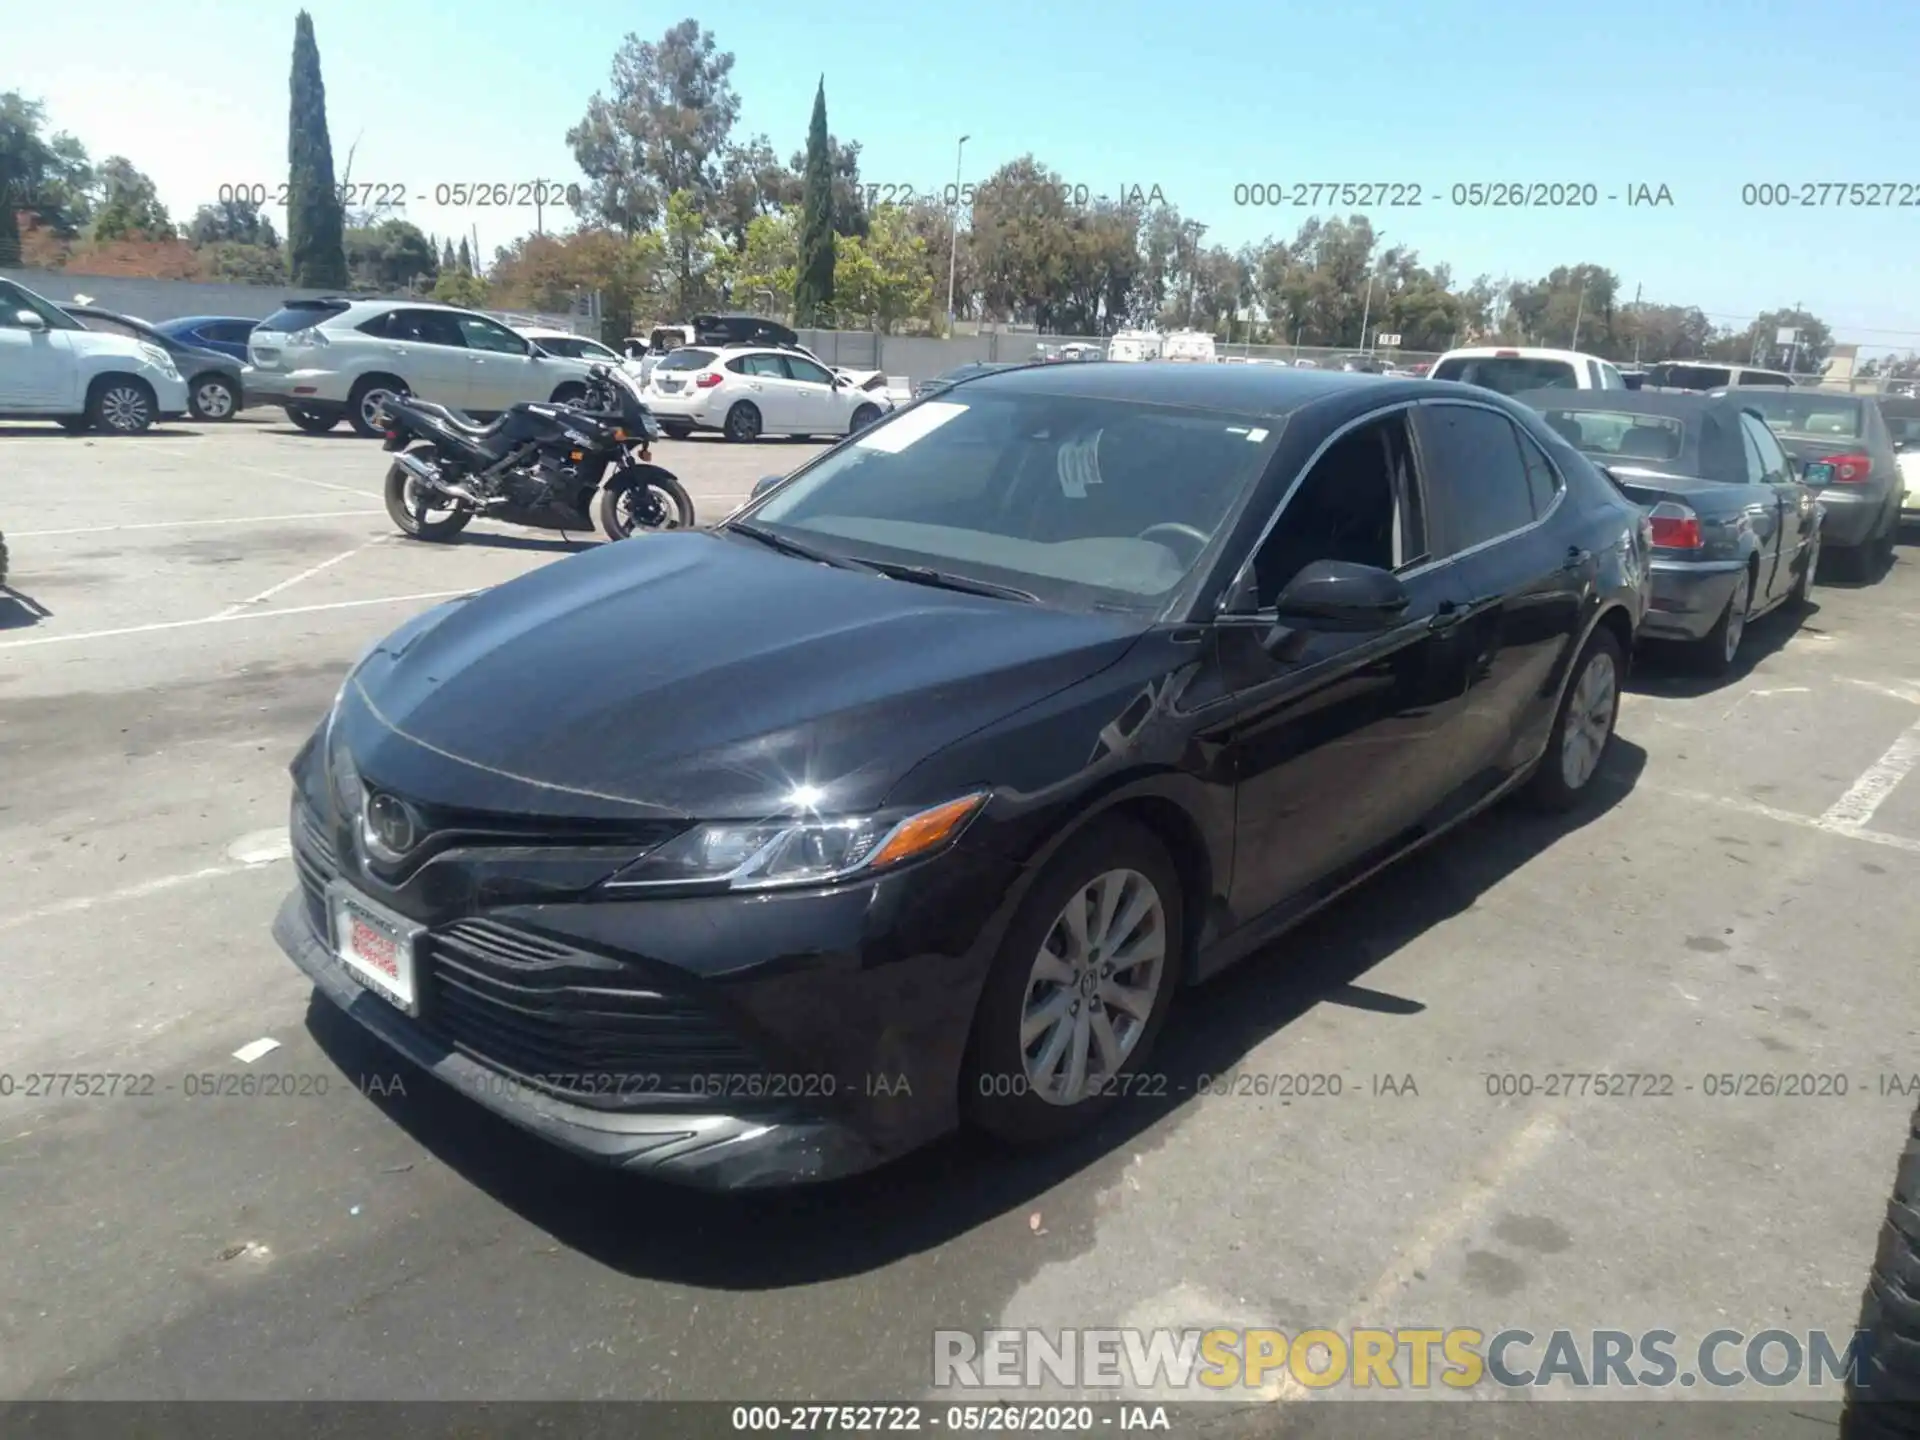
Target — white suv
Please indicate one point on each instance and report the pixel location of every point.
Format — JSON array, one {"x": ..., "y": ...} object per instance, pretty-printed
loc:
[
  {"x": 54, "y": 368},
  {"x": 752, "y": 390},
  {"x": 324, "y": 360}
]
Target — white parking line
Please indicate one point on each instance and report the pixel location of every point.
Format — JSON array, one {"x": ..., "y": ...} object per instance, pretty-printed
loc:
[
  {"x": 1854, "y": 809},
  {"x": 1790, "y": 817},
  {"x": 307, "y": 574},
  {"x": 209, "y": 458},
  {"x": 230, "y": 619},
  {"x": 183, "y": 524}
]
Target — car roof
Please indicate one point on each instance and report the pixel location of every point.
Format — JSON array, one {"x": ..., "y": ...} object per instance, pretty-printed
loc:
[
  {"x": 1519, "y": 352},
  {"x": 1834, "y": 395},
  {"x": 1241, "y": 389}
]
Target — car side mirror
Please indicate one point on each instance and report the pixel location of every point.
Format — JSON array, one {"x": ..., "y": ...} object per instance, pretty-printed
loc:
[
  {"x": 30, "y": 319},
  {"x": 1899, "y": 445},
  {"x": 1338, "y": 595},
  {"x": 764, "y": 484}
]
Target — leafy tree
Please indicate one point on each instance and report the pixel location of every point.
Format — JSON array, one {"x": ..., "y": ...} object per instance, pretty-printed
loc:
[
  {"x": 753, "y": 185},
  {"x": 883, "y": 277},
  {"x": 1759, "y": 339},
  {"x": 457, "y": 287},
  {"x": 243, "y": 264},
  {"x": 137, "y": 257},
  {"x": 316, "y": 241},
  {"x": 630, "y": 273},
  {"x": 813, "y": 289},
  {"x": 697, "y": 255},
  {"x": 231, "y": 221},
  {"x": 769, "y": 260},
  {"x": 933, "y": 224},
  {"x": 47, "y": 179},
  {"x": 662, "y": 130},
  {"x": 463, "y": 260},
  {"x": 390, "y": 256},
  {"x": 130, "y": 207},
  {"x": 1043, "y": 260}
]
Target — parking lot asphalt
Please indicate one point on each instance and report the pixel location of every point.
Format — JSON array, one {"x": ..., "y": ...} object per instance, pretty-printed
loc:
[{"x": 1740, "y": 901}]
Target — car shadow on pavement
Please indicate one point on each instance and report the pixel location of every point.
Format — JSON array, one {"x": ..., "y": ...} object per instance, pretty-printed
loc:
[
  {"x": 26, "y": 430},
  {"x": 1836, "y": 574},
  {"x": 774, "y": 1239},
  {"x": 571, "y": 541},
  {"x": 18, "y": 611},
  {"x": 1665, "y": 669}
]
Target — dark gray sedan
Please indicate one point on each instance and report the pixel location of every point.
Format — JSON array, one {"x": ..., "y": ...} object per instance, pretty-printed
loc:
[
  {"x": 1735, "y": 531},
  {"x": 1850, "y": 458},
  {"x": 216, "y": 387}
]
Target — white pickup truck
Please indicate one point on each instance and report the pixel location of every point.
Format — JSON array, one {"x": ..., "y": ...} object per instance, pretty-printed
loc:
[{"x": 1512, "y": 369}]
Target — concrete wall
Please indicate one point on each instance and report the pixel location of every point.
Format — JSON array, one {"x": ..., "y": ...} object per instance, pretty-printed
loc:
[{"x": 155, "y": 300}]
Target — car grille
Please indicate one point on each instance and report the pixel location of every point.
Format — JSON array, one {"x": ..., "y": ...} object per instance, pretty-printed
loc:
[
  {"x": 584, "y": 1026},
  {"x": 573, "y": 1023}
]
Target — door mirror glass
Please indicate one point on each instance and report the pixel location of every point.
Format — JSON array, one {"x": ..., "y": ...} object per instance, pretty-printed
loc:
[
  {"x": 1898, "y": 446},
  {"x": 29, "y": 319},
  {"x": 1339, "y": 595}
]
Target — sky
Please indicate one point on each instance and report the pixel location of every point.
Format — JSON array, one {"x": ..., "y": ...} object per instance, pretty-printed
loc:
[{"x": 1702, "y": 97}]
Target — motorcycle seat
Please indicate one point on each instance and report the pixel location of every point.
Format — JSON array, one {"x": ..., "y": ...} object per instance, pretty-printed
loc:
[{"x": 455, "y": 418}]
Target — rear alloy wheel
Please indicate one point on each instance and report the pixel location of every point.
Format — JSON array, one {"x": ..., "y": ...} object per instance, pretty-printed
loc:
[
  {"x": 365, "y": 404},
  {"x": 1714, "y": 654},
  {"x": 1584, "y": 727},
  {"x": 1080, "y": 989},
  {"x": 743, "y": 424},
  {"x": 121, "y": 406},
  {"x": 213, "y": 398}
]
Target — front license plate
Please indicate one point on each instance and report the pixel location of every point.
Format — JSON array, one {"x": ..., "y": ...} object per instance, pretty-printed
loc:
[
  {"x": 376, "y": 946},
  {"x": 1819, "y": 474}
]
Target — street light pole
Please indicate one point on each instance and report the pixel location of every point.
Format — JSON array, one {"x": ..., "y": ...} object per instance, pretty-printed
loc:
[
  {"x": 1366, "y": 312},
  {"x": 953, "y": 247}
]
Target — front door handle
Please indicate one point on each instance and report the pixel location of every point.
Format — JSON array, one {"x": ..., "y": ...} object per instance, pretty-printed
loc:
[{"x": 1448, "y": 616}]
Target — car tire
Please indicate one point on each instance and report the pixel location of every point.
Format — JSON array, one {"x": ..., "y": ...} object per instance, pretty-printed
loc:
[
  {"x": 569, "y": 395},
  {"x": 313, "y": 422},
  {"x": 412, "y": 522},
  {"x": 1715, "y": 652},
  {"x": 675, "y": 432},
  {"x": 121, "y": 405},
  {"x": 864, "y": 416},
  {"x": 362, "y": 401},
  {"x": 1589, "y": 708},
  {"x": 742, "y": 424},
  {"x": 212, "y": 397},
  {"x": 1000, "y": 1092},
  {"x": 1883, "y": 1389}
]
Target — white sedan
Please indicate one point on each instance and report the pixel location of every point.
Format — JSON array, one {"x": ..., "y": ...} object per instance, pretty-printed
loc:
[
  {"x": 748, "y": 391},
  {"x": 569, "y": 346}
]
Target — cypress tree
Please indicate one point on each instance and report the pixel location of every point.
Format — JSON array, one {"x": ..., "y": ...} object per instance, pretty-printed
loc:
[
  {"x": 446, "y": 257},
  {"x": 466, "y": 257},
  {"x": 316, "y": 227},
  {"x": 813, "y": 287}
]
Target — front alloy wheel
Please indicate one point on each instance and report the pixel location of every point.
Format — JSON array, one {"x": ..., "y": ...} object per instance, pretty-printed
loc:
[
  {"x": 1092, "y": 987},
  {"x": 124, "y": 408}
]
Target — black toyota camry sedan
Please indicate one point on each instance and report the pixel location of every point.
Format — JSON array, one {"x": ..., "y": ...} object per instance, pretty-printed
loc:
[{"x": 913, "y": 792}]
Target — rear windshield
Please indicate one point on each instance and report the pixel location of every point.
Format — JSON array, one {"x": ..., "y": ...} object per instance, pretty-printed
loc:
[
  {"x": 1508, "y": 374},
  {"x": 1620, "y": 434},
  {"x": 1807, "y": 414},
  {"x": 299, "y": 316},
  {"x": 686, "y": 358},
  {"x": 1691, "y": 377}
]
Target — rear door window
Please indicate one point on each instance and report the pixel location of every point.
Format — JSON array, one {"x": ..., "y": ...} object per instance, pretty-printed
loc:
[
  {"x": 228, "y": 332},
  {"x": 425, "y": 327},
  {"x": 1509, "y": 374},
  {"x": 1475, "y": 474}
]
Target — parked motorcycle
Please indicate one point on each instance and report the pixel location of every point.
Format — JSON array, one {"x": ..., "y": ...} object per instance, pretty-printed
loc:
[{"x": 540, "y": 465}]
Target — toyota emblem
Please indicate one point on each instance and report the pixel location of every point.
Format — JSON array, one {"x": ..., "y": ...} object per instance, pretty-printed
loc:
[{"x": 388, "y": 828}]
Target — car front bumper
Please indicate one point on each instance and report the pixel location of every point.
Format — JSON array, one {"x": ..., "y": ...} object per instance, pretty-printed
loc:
[
  {"x": 1689, "y": 597},
  {"x": 854, "y": 1004}
]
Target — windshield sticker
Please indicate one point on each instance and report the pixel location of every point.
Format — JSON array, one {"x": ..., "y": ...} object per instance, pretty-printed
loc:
[
  {"x": 1078, "y": 462},
  {"x": 898, "y": 434}
]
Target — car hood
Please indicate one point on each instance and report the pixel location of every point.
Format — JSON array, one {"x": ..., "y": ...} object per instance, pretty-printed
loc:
[{"x": 695, "y": 675}]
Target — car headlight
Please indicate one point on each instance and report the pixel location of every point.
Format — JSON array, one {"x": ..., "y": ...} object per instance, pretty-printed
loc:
[
  {"x": 764, "y": 855},
  {"x": 160, "y": 360}
]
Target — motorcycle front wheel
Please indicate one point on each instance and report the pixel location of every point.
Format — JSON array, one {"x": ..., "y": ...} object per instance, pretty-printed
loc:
[
  {"x": 418, "y": 511},
  {"x": 642, "y": 498}
]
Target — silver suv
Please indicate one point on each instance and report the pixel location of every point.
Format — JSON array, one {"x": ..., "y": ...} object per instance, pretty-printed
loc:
[{"x": 324, "y": 360}]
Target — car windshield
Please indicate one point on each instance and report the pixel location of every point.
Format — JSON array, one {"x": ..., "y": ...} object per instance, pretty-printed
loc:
[
  {"x": 685, "y": 359},
  {"x": 1078, "y": 501},
  {"x": 1509, "y": 374},
  {"x": 1620, "y": 434},
  {"x": 1807, "y": 414}
]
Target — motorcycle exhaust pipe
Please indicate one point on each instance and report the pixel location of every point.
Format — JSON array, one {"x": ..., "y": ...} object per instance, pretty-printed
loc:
[{"x": 429, "y": 476}]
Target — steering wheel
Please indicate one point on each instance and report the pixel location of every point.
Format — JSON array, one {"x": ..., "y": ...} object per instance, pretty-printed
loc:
[{"x": 1199, "y": 538}]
